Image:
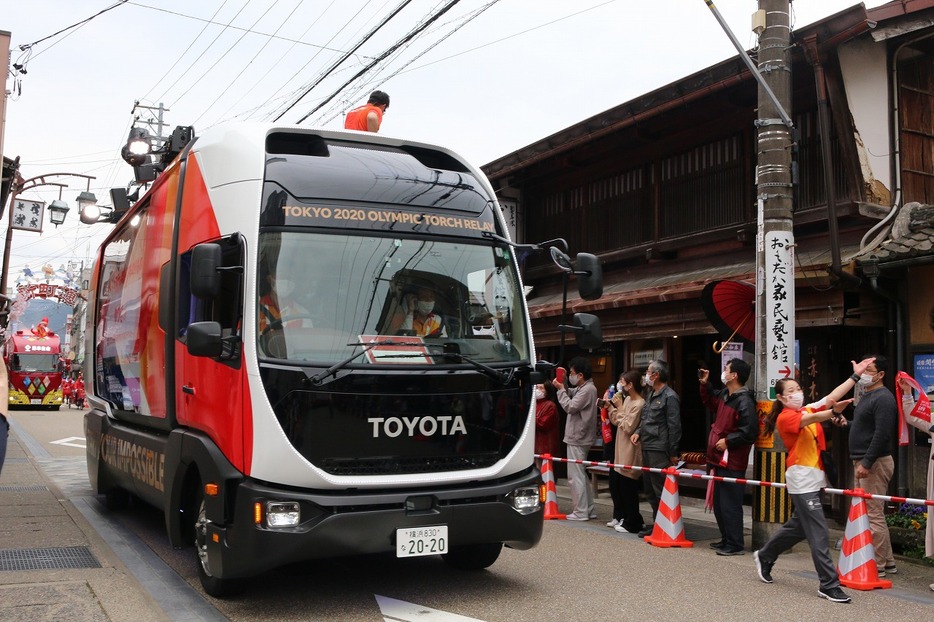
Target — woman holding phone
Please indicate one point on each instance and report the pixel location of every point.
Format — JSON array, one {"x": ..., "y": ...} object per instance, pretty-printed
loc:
[{"x": 625, "y": 412}]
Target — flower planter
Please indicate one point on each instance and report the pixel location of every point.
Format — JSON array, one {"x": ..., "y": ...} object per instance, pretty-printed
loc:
[{"x": 904, "y": 539}]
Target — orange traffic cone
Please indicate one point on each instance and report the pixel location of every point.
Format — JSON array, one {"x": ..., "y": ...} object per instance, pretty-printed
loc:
[
  {"x": 669, "y": 529},
  {"x": 857, "y": 563},
  {"x": 551, "y": 494}
]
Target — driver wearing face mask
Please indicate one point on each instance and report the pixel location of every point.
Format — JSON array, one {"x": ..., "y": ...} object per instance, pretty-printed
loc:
[{"x": 418, "y": 315}]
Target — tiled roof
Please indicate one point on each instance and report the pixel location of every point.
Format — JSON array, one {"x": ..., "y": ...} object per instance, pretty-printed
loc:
[{"x": 912, "y": 234}]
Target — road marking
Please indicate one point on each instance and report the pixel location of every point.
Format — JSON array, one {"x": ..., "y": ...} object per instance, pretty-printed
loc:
[
  {"x": 400, "y": 611},
  {"x": 68, "y": 442}
]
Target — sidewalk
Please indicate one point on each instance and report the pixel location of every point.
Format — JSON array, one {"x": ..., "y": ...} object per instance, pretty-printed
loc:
[
  {"x": 699, "y": 524},
  {"x": 700, "y": 527},
  {"x": 54, "y": 565}
]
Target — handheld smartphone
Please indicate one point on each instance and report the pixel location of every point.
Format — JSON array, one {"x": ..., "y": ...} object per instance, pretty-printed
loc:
[{"x": 560, "y": 374}]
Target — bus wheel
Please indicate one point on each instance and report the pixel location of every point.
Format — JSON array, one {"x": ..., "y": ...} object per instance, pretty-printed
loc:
[
  {"x": 473, "y": 556},
  {"x": 214, "y": 586}
]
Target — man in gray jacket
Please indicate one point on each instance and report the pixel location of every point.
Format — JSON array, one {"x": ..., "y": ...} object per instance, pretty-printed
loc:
[
  {"x": 659, "y": 432},
  {"x": 580, "y": 431}
]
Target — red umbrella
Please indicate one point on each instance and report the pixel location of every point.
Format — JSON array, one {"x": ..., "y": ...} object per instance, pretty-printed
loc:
[{"x": 731, "y": 308}]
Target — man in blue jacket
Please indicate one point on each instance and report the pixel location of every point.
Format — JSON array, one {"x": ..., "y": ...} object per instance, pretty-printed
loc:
[{"x": 731, "y": 437}]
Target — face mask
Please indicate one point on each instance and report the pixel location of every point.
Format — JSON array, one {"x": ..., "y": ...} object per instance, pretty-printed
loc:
[
  {"x": 574, "y": 379},
  {"x": 425, "y": 306},
  {"x": 284, "y": 287},
  {"x": 647, "y": 380},
  {"x": 723, "y": 377},
  {"x": 619, "y": 387},
  {"x": 866, "y": 379},
  {"x": 539, "y": 394},
  {"x": 795, "y": 400}
]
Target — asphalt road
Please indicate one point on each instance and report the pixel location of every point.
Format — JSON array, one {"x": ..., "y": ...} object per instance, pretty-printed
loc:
[{"x": 580, "y": 571}]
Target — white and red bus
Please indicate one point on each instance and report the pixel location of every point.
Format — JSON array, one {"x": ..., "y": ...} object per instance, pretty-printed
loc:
[
  {"x": 323, "y": 428},
  {"x": 34, "y": 365}
]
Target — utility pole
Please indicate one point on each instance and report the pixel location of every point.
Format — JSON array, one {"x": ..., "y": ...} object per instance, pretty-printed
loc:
[{"x": 775, "y": 269}]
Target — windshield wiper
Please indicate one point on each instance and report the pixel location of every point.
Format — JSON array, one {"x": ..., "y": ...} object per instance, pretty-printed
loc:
[
  {"x": 452, "y": 352},
  {"x": 330, "y": 371}
]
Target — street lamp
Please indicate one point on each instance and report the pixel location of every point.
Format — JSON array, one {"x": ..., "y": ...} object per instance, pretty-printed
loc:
[{"x": 57, "y": 211}]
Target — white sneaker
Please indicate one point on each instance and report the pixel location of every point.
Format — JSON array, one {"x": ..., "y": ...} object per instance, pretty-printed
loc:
[{"x": 612, "y": 523}]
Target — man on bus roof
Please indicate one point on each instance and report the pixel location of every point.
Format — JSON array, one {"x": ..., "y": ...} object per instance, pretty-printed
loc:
[{"x": 369, "y": 117}]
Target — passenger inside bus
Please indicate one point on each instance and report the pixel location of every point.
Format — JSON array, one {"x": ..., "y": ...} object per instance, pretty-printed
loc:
[
  {"x": 278, "y": 305},
  {"x": 279, "y": 309}
]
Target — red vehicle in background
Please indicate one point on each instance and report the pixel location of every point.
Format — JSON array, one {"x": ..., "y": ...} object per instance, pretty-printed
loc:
[{"x": 34, "y": 366}]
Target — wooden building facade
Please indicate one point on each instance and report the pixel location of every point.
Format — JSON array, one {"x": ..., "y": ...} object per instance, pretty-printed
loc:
[{"x": 662, "y": 189}]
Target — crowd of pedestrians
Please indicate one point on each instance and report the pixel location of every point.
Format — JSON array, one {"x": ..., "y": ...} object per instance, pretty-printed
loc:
[{"x": 645, "y": 414}]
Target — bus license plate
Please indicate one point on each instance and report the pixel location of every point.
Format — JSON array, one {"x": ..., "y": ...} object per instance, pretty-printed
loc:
[
  {"x": 35, "y": 402},
  {"x": 417, "y": 541}
]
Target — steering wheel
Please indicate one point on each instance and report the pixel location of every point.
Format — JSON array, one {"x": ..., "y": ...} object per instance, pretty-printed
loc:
[{"x": 278, "y": 324}]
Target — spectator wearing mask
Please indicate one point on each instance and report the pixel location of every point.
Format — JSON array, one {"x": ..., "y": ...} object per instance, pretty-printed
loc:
[
  {"x": 546, "y": 422},
  {"x": 875, "y": 419},
  {"x": 659, "y": 432},
  {"x": 732, "y": 434},
  {"x": 579, "y": 401},
  {"x": 625, "y": 412}
]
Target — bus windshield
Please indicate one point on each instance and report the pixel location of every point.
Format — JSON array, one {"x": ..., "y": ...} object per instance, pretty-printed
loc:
[
  {"x": 35, "y": 362},
  {"x": 322, "y": 295}
]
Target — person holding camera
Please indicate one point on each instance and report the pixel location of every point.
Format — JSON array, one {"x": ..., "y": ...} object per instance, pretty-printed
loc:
[
  {"x": 580, "y": 431},
  {"x": 732, "y": 434},
  {"x": 625, "y": 412}
]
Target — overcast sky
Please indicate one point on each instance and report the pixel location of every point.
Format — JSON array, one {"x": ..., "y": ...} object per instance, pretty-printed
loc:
[{"x": 517, "y": 72}]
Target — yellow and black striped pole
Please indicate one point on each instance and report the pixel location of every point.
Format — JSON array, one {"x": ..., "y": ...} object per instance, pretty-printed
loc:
[{"x": 770, "y": 505}]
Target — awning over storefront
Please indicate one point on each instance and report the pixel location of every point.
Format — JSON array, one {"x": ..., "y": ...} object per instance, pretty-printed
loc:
[{"x": 649, "y": 303}]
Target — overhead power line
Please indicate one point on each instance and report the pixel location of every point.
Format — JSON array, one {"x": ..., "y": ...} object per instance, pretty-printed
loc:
[
  {"x": 412, "y": 34},
  {"x": 182, "y": 55},
  {"x": 266, "y": 74},
  {"x": 463, "y": 21},
  {"x": 250, "y": 62},
  {"x": 204, "y": 51},
  {"x": 210, "y": 22},
  {"x": 344, "y": 57}
]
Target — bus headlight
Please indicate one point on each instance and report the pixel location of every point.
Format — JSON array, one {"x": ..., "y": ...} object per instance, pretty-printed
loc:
[
  {"x": 525, "y": 500},
  {"x": 282, "y": 514}
]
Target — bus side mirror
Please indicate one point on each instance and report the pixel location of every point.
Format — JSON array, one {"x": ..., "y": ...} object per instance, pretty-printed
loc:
[
  {"x": 589, "y": 272},
  {"x": 205, "y": 278},
  {"x": 587, "y": 331},
  {"x": 204, "y": 339}
]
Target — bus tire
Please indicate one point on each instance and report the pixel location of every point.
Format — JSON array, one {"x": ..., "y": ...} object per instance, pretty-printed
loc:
[
  {"x": 473, "y": 556},
  {"x": 213, "y": 586}
]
